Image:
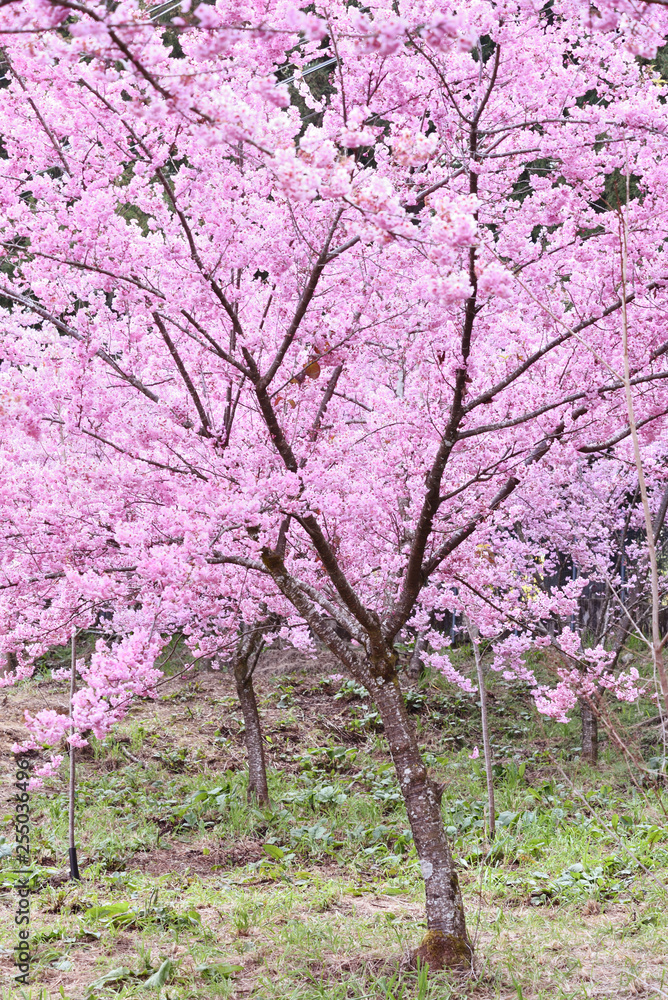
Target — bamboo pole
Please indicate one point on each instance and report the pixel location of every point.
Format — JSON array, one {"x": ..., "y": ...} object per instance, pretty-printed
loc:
[
  {"x": 74, "y": 864},
  {"x": 487, "y": 746}
]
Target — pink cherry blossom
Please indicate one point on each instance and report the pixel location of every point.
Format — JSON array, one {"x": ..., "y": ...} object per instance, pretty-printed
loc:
[{"x": 339, "y": 344}]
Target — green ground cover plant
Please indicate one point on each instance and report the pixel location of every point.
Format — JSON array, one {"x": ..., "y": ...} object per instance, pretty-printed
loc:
[{"x": 190, "y": 892}]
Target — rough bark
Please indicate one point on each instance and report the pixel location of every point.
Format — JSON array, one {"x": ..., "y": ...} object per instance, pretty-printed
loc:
[
  {"x": 247, "y": 654},
  {"x": 446, "y": 944},
  {"x": 589, "y": 733},
  {"x": 257, "y": 771}
]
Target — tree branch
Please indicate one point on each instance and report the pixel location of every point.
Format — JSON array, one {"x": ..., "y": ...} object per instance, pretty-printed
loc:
[
  {"x": 589, "y": 449},
  {"x": 322, "y": 628},
  {"x": 220, "y": 351},
  {"x": 303, "y": 304},
  {"x": 327, "y": 395},
  {"x": 69, "y": 332},
  {"x": 489, "y": 394},
  {"x": 52, "y": 138},
  {"x": 171, "y": 347}
]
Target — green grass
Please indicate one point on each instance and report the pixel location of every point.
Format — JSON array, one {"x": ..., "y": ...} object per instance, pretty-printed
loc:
[{"x": 189, "y": 892}]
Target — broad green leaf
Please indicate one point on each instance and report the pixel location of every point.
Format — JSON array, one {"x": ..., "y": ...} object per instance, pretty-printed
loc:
[
  {"x": 219, "y": 971},
  {"x": 105, "y": 912},
  {"x": 160, "y": 977},
  {"x": 113, "y": 976}
]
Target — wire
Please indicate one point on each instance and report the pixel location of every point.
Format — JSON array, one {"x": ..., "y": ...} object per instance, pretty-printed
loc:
[
  {"x": 313, "y": 69},
  {"x": 159, "y": 12}
]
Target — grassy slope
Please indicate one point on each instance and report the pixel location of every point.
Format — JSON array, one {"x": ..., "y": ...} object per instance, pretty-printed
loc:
[{"x": 321, "y": 896}]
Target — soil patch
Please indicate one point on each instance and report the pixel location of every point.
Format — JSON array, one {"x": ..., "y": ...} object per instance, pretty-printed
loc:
[{"x": 182, "y": 858}]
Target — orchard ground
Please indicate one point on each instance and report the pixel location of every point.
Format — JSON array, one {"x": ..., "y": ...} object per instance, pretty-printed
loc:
[{"x": 190, "y": 893}]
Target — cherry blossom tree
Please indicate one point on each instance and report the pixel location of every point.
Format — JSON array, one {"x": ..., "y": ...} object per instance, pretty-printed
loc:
[
  {"x": 513, "y": 588},
  {"x": 296, "y": 305},
  {"x": 136, "y": 613}
]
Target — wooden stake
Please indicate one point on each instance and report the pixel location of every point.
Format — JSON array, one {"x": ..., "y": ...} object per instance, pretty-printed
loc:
[
  {"x": 74, "y": 864},
  {"x": 491, "y": 811}
]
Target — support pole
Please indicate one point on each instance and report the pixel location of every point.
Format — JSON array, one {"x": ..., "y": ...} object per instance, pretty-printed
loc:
[
  {"x": 74, "y": 864},
  {"x": 474, "y": 635}
]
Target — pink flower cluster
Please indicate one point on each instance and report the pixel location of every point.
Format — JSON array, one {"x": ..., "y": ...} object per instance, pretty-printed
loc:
[{"x": 322, "y": 320}]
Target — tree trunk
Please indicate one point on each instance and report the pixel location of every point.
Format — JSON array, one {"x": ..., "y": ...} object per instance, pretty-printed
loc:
[
  {"x": 416, "y": 666},
  {"x": 10, "y": 664},
  {"x": 249, "y": 647},
  {"x": 446, "y": 944},
  {"x": 589, "y": 733},
  {"x": 257, "y": 771}
]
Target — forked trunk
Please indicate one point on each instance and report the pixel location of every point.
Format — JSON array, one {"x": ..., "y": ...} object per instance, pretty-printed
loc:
[
  {"x": 589, "y": 733},
  {"x": 446, "y": 944}
]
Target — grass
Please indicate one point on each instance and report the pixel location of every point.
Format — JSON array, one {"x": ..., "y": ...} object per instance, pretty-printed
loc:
[{"x": 190, "y": 893}]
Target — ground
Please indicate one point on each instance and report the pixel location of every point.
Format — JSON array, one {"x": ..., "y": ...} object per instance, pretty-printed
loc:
[{"x": 189, "y": 892}]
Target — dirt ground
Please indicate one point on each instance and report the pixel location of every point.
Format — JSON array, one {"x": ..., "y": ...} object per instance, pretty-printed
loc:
[{"x": 328, "y": 922}]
